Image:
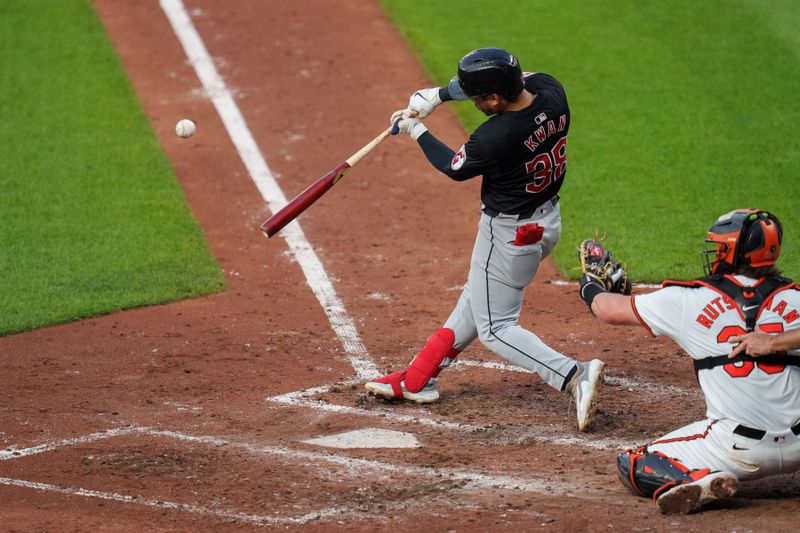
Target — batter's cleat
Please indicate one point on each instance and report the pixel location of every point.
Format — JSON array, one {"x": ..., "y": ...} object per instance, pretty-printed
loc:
[
  {"x": 393, "y": 387},
  {"x": 690, "y": 497},
  {"x": 585, "y": 385}
]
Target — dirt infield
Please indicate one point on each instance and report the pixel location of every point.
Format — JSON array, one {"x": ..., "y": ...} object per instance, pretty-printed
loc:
[{"x": 193, "y": 415}]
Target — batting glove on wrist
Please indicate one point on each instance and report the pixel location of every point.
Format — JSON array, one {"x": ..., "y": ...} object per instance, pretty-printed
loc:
[
  {"x": 424, "y": 101},
  {"x": 403, "y": 122}
]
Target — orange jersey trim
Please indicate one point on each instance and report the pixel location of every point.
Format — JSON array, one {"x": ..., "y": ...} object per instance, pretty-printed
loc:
[
  {"x": 638, "y": 317},
  {"x": 688, "y": 438}
]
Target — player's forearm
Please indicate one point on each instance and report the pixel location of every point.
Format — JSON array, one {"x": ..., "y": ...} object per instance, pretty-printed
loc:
[
  {"x": 614, "y": 309},
  {"x": 757, "y": 344},
  {"x": 789, "y": 340},
  {"x": 440, "y": 155}
]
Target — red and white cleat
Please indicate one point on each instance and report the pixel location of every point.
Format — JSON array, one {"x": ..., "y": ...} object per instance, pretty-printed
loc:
[{"x": 392, "y": 387}]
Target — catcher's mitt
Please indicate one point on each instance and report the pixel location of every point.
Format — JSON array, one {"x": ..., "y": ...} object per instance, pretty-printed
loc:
[{"x": 599, "y": 265}]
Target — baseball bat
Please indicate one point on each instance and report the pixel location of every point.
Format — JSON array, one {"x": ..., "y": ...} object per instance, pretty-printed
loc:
[{"x": 316, "y": 190}]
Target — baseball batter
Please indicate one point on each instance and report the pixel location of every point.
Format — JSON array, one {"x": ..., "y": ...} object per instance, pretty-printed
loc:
[
  {"x": 753, "y": 403},
  {"x": 521, "y": 152}
]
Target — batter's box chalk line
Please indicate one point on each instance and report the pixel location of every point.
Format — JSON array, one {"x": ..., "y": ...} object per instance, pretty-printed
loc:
[
  {"x": 340, "y": 465},
  {"x": 303, "y": 399}
]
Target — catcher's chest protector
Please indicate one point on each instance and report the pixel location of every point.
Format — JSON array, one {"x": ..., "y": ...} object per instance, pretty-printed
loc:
[{"x": 750, "y": 301}]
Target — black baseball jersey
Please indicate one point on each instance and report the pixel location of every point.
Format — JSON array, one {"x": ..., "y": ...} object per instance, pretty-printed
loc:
[{"x": 522, "y": 155}]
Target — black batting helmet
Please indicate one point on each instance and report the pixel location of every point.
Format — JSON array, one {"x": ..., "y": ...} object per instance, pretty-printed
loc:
[
  {"x": 490, "y": 71},
  {"x": 745, "y": 237}
]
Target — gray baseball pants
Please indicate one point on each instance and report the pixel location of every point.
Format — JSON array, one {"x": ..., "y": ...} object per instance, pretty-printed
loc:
[{"x": 490, "y": 304}]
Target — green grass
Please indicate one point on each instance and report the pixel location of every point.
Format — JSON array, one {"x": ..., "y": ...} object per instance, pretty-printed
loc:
[
  {"x": 681, "y": 111},
  {"x": 92, "y": 219}
]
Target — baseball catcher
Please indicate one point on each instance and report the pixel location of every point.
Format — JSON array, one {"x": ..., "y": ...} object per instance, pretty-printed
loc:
[{"x": 752, "y": 424}]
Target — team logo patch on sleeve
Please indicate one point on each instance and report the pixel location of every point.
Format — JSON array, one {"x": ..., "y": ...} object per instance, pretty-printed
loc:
[{"x": 458, "y": 159}]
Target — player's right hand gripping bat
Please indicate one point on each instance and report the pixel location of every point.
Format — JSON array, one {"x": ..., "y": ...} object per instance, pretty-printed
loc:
[{"x": 314, "y": 192}]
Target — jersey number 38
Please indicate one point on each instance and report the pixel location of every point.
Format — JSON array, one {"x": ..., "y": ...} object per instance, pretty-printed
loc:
[{"x": 547, "y": 167}]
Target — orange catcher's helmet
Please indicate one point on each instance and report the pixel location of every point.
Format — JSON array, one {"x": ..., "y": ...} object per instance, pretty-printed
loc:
[{"x": 744, "y": 237}]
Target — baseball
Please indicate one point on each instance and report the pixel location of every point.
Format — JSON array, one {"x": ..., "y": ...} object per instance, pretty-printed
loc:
[{"x": 185, "y": 128}]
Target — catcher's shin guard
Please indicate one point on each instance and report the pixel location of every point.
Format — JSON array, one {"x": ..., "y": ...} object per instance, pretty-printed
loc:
[
  {"x": 651, "y": 474},
  {"x": 435, "y": 355}
]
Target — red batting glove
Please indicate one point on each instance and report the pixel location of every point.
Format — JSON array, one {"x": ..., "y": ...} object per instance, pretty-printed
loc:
[{"x": 528, "y": 234}]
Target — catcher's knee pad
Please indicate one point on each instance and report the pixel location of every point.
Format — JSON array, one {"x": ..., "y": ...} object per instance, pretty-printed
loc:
[
  {"x": 650, "y": 474},
  {"x": 427, "y": 362}
]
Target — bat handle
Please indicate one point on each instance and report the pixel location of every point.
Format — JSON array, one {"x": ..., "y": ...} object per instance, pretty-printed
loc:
[
  {"x": 358, "y": 156},
  {"x": 396, "y": 126}
]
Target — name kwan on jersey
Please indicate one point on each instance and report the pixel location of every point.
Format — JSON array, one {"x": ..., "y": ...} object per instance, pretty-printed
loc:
[{"x": 542, "y": 135}]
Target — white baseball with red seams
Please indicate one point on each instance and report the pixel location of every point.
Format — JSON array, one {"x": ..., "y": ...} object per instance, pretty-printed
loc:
[
  {"x": 185, "y": 128},
  {"x": 759, "y": 396}
]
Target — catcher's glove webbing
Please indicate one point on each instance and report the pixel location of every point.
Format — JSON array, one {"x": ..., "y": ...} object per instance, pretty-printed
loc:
[{"x": 601, "y": 272}]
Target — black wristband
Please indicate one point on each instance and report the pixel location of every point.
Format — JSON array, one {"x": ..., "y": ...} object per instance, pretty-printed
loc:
[
  {"x": 444, "y": 94},
  {"x": 590, "y": 288}
]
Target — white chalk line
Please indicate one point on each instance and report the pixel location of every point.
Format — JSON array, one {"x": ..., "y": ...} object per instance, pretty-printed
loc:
[
  {"x": 346, "y": 466},
  {"x": 537, "y": 433},
  {"x": 351, "y": 464},
  {"x": 652, "y": 389},
  {"x": 530, "y": 433},
  {"x": 261, "y": 520},
  {"x": 262, "y": 176},
  {"x": 13, "y": 453}
]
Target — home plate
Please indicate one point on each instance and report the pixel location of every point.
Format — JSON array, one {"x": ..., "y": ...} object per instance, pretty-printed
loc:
[{"x": 368, "y": 438}]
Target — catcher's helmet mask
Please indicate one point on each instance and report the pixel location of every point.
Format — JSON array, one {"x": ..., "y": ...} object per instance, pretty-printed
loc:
[
  {"x": 490, "y": 71},
  {"x": 742, "y": 238}
]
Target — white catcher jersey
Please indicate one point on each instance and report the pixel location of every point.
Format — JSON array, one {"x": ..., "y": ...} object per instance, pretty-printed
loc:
[{"x": 701, "y": 321}]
